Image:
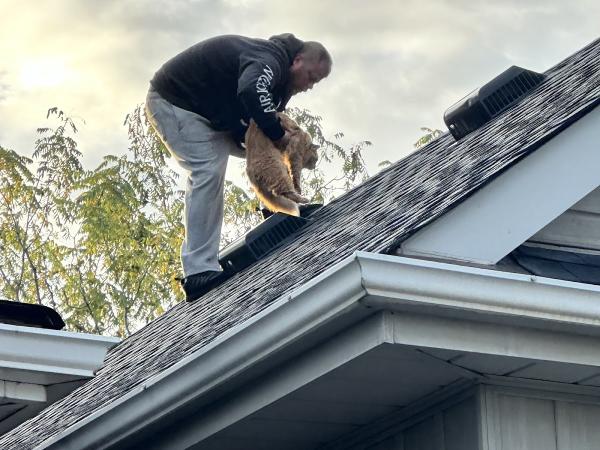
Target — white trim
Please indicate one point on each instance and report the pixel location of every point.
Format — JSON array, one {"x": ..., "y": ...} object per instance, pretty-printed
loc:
[
  {"x": 543, "y": 389},
  {"x": 26, "y": 350},
  {"x": 517, "y": 204},
  {"x": 356, "y": 285}
]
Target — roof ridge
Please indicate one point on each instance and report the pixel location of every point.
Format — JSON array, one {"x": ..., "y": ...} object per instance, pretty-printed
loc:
[{"x": 578, "y": 53}]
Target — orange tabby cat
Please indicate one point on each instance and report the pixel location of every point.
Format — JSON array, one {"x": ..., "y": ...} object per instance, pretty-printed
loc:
[{"x": 275, "y": 174}]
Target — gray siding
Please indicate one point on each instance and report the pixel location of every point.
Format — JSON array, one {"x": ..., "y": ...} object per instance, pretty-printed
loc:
[
  {"x": 534, "y": 420},
  {"x": 578, "y": 426},
  {"x": 524, "y": 424}
]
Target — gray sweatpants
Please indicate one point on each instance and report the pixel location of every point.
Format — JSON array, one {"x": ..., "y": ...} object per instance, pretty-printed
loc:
[{"x": 203, "y": 153}]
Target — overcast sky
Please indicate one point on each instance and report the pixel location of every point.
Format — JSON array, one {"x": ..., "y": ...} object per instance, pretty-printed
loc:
[{"x": 397, "y": 64}]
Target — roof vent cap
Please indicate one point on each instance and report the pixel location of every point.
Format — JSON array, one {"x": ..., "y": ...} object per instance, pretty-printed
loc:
[
  {"x": 258, "y": 242},
  {"x": 29, "y": 315},
  {"x": 490, "y": 100}
]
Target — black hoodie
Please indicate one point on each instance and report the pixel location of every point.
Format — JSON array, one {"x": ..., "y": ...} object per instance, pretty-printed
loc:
[{"x": 231, "y": 79}]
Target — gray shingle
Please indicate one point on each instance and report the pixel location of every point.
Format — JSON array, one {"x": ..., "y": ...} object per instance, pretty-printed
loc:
[{"x": 375, "y": 217}]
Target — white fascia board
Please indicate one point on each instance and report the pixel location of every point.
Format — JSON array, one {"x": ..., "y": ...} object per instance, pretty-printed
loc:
[
  {"x": 360, "y": 283},
  {"x": 517, "y": 204},
  {"x": 400, "y": 282},
  {"x": 50, "y": 355}
]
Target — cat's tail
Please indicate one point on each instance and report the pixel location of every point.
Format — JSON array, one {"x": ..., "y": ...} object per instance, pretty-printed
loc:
[{"x": 277, "y": 203}]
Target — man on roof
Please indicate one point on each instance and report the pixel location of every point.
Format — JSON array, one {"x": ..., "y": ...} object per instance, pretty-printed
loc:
[{"x": 200, "y": 103}]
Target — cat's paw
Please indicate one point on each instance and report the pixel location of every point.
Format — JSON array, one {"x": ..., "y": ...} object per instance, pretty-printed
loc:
[{"x": 293, "y": 196}]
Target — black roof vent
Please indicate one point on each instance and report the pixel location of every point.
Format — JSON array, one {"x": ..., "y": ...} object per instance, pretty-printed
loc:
[
  {"x": 29, "y": 315},
  {"x": 490, "y": 100},
  {"x": 259, "y": 241}
]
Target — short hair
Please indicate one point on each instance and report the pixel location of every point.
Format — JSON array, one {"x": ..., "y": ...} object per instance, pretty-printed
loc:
[{"x": 316, "y": 51}]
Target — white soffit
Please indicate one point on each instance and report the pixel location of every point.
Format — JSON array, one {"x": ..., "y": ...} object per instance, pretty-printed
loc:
[{"x": 520, "y": 202}]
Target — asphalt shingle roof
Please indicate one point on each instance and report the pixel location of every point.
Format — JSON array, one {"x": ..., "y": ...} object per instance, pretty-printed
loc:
[{"x": 375, "y": 216}]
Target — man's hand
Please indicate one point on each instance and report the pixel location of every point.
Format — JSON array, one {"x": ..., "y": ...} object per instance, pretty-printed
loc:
[{"x": 282, "y": 143}]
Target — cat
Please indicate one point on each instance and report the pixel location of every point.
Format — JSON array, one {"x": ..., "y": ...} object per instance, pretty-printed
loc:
[{"x": 275, "y": 174}]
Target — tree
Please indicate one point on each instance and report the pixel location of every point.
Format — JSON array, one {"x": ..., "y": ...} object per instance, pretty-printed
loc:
[
  {"x": 102, "y": 246},
  {"x": 431, "y": 134},
  {"x": 33, "y": 205}
]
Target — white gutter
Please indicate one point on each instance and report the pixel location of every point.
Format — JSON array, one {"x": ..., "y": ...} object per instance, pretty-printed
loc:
[
  {"x": 468, "y": 289},
  {"x": 51, "y": 355},
  {"x": 362, "y": 281}
]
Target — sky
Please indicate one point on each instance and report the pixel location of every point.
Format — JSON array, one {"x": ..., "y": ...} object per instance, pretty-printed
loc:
[{"x": 398, "y": 65}]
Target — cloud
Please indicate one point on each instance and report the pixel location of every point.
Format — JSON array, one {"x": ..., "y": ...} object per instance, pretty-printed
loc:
[
  {"x": 397, "y": 65},
  {"x": 4, "y": 87}
]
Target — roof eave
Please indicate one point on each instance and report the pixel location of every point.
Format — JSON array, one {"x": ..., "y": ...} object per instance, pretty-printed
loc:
[
  {"x": 363, "y": 282},
  {"x": 52, "y": 353}
]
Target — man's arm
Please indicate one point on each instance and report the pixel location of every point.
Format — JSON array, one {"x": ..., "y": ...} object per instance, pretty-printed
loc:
[
  {"x": 283, "y": 142},
  {"x": 255, "y": 90}
]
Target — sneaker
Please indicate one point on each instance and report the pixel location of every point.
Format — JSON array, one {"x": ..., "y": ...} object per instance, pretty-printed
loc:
[{"x": 200, "y": 283}]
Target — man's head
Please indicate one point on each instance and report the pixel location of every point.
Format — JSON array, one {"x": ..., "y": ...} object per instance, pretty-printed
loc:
[{"x": 311, "y": 64}]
